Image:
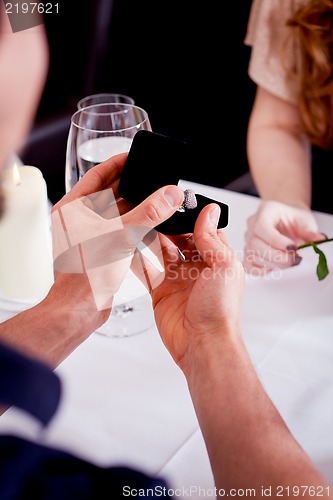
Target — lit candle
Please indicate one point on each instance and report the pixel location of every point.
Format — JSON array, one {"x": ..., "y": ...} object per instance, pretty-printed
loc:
[{"x": 26, "y": 265}]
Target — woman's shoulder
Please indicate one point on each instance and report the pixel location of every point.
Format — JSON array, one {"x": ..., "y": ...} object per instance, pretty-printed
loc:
[
  {"x": 266, "y": 33},
  {"x": 270, "y": 15}
]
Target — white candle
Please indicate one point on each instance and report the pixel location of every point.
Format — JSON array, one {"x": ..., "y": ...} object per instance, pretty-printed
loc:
[{"x": 26, "y": 265}]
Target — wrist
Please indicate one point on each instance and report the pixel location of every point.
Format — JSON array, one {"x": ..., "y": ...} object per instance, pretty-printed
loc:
[
  {"x": 72, "y": 297},
  {"x": 70, "y": 315},
  {"x": 289, "y": 202},
  {"x": 206, "y": 349}
]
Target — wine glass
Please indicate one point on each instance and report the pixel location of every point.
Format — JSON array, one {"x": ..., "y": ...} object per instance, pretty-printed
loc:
[
  {"x": 96, "y": 133},
  {"x": 104, "y": 98}
]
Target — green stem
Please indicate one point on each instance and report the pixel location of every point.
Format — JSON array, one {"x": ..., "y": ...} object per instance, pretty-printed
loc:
[{"x": 311, "y": 243}]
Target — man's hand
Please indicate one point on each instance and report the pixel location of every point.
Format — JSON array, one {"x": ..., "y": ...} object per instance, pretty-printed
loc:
[{"x": 80, "y": 301}]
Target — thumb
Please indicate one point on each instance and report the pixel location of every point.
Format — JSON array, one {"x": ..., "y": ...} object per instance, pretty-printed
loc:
[
  {"x": 211, "y": 243},
  {"x": 308, "y": 236},
  {"x": 155, "y": 209}
]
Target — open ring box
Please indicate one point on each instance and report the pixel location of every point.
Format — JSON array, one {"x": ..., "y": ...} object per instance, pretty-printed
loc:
[{"x": 155, "y": 160}]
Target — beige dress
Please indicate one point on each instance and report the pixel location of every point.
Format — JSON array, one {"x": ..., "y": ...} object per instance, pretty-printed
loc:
[{"x": 266, "y": 34}]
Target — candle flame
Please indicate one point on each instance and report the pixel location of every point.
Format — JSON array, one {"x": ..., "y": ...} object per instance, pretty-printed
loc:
[{"x": 16, "y": 175}]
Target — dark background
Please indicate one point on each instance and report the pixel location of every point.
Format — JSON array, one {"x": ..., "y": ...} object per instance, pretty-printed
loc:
[{"x": 184, "y": 62}]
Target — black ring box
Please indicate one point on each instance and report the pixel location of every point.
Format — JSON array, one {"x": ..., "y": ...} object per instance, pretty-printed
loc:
[{"x": 155, "y": 160}]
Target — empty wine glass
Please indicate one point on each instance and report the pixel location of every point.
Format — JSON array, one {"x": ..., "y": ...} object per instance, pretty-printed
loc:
[{"x": 96, "y": 133}]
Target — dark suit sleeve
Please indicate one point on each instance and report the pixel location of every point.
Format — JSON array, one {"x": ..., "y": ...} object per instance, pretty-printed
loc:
[
  {"x": 28, "y": 384},
  {"x": 30, "y": 470}
]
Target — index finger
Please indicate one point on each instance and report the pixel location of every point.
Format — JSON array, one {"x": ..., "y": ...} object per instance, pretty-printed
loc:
[{"x": 102, "y": 176}]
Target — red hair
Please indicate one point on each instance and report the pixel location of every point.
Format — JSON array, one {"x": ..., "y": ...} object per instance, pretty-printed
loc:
[{"x": 312, "y": 23}]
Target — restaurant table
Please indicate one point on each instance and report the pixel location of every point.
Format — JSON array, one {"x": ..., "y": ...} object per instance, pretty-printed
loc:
[{"x": 126, "y": 402}]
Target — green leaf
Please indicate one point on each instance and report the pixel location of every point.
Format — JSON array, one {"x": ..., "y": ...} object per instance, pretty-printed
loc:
[{"x": 322, "y": 269}]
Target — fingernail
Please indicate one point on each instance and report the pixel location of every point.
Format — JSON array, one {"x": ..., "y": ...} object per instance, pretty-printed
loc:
[
  {"x": 214, "y": 215},
  {"x": 174, "y": 196},
  {"x": 297, "y": 260},
  {"x": 291, "y": 248}
]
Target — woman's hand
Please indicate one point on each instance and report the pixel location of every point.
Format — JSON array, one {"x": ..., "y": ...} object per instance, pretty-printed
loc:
[{"x": 273, "y": 234}]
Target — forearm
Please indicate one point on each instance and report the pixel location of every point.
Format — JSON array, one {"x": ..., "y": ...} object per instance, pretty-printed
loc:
[
  {"x": 248, "y": 443},
  {"x": 280, "y": 163},
  {"x": 51, "y": 330},
  {"x": 279, "y": 154}
]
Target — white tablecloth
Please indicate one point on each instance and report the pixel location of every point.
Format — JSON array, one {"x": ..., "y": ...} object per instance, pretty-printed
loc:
[{"x": 126, "y": 402}]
